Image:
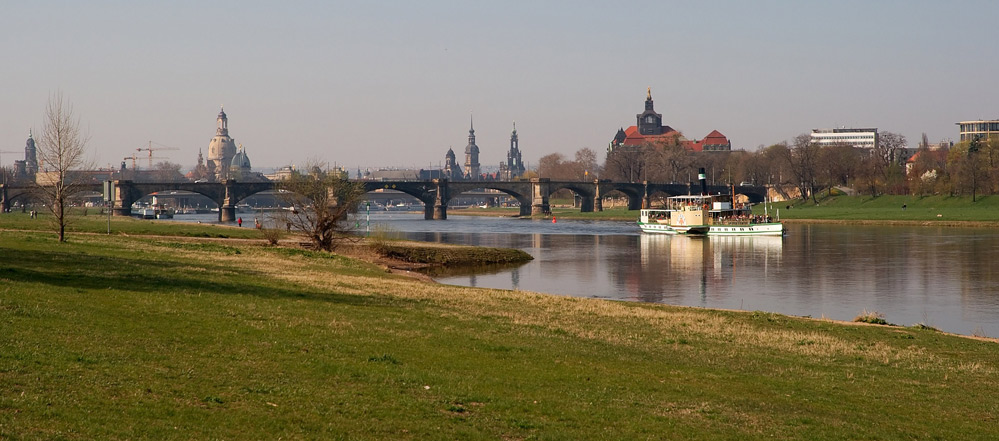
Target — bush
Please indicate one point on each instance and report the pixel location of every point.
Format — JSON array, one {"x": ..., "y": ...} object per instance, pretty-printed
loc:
[{"x": 872, "y": 317}]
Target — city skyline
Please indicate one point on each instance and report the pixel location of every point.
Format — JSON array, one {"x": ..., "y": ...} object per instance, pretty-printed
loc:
[{"x": 395, "y": 84}]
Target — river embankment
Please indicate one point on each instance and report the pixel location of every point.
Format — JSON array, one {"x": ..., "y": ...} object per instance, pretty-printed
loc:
[
  {"x": 943, "y": 211},
  {"x": 126, "y": 337}
]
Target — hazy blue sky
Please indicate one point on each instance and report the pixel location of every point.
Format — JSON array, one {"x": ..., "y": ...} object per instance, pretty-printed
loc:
[{"x": 393, "y": 83}]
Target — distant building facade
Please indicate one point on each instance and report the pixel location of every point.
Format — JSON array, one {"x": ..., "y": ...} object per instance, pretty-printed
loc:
[
  {"x": 981, "y": 129},
  {"x": 514, "y": 165},
  {"x": 865, "y": 138},
  {"x": 221, "y": 150},
  {"x": 649, "y": 130}
]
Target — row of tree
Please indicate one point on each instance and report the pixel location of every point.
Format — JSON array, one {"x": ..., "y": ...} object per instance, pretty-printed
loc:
[{"x": 968, "y": 168}]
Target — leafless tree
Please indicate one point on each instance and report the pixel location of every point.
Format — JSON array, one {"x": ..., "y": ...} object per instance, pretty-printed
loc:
[
  {"x": 586, "y": 160},
  {"x": 802, "y": 160},
  {"x": 61, "y": 155},
  {"x": 966, "y": 161},
  {"x": 552, "y": 166},
  {"x": 625, "y": 163},
  {"x": 165, "y": 171},
  {"x": 838, "y": 164},
  {"x": 322, "y": 202}
]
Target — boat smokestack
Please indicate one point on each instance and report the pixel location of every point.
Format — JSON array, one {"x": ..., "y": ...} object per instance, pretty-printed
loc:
[{"x": 703, "y": 180}]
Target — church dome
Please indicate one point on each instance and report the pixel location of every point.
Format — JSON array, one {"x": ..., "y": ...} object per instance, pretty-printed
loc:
[{"x": 240, "y": 160}]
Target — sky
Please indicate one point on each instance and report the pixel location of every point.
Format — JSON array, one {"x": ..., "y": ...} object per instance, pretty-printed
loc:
[{"x": 394, "y": 84}]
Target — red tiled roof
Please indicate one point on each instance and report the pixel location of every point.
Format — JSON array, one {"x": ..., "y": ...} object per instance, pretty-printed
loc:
[
  {"x": 632, "y": 137},
  {"x": 716, "y": 136}
]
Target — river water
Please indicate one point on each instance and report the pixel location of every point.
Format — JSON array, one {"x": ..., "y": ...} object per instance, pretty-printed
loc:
[{"x": 943, "y": 277}]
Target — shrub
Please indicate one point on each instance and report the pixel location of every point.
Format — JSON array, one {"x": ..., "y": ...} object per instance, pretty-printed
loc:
[{"x": 872, "y": 317}]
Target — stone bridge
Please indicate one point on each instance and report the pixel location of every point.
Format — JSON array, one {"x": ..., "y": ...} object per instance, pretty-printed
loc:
[{"x": 532, "y": 195}]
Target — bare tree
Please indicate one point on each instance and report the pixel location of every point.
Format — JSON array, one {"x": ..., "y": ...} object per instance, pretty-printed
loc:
[
  {"x": 321, "y": 202},
  {"x": 586, "y": 160},
  {"x": 625, "y": 163},
  {"x": 61, "y": 152},
  {"x": 838, "y": 163},
  {"x": 966, "y": 159},
  {"x": 802, "y": 160},
  {"x": 166, "y": 171}
]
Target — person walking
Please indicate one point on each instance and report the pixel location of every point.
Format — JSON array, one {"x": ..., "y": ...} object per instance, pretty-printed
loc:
[{"x": 239, "y": 221}]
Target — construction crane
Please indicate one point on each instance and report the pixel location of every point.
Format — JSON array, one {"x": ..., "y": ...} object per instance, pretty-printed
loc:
[
  {"x": 1, "y": 165},
  {"x": 151, "y": 149},
  {"x": 134, "y": 158},
  {"x": 7, "y": 151}
]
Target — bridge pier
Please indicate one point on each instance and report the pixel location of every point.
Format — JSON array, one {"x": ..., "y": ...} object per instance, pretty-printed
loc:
[
  {"x": 4, "y": 202},
  {"x": 440, "y": 212},
  {"x": 123, "y": 198},
  {"x": 436, "y": 208},
  {"x": 227, "y": 213},
  {"x": 539, "y": 197},
  {"x": 227, "y": 206}
]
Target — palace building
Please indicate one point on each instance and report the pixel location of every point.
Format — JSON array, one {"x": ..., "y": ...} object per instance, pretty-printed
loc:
[{"x": 649, "y": 129}]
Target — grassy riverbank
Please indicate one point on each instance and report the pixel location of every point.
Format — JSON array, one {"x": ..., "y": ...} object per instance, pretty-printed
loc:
[
  {"x": 882, "y": 209},
  {"x": 154, "y": 338},
  {"x": 890, "y": 208}
]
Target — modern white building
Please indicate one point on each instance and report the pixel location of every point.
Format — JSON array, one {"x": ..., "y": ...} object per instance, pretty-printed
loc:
[
  {"x": 982, "y": 129},
  {"x": 861, "y": 138}
]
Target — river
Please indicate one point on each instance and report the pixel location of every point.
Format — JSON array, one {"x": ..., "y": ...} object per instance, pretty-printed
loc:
[{"x": 944, "y": 277}]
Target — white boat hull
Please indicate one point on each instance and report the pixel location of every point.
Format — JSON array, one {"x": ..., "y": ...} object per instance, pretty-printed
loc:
[{"x": 768, "y": 229}]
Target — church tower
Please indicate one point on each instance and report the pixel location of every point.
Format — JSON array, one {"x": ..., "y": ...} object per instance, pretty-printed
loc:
[
  {"x": 30, "y": 156},
  {"x": 221, "y": 150},
  {"x": 650, "y": 122},
  {"x": 514, "y": 165},
  {"x": 452, "y": 170},
  {"x": 471, "y": 155}
]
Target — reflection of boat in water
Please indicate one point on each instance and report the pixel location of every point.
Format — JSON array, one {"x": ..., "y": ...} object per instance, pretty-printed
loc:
[
  {"x": 705, "y": 214},
  {"x": 659, "y": 250}
]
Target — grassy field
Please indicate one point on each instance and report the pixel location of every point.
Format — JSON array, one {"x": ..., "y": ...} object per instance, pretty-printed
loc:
[
  {"x": 98, "y": 223},
  {"x": 889, "y": 208},
  {"x": 128, "y": 337}
]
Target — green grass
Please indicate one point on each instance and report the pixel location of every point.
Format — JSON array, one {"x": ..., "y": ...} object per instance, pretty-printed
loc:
[
  {"x": 889, "y": 208},
  {"x": 449, "y": 255},
  {"x": 138, "y": 338},
  {"x": 98, "y": 223}
]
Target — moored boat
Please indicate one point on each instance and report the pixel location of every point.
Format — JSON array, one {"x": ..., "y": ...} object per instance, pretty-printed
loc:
[{"x": 711, "y": 215}]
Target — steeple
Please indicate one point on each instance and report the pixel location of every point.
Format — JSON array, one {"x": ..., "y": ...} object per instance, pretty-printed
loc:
[
  {"x": 30, "y": 155},
  {"x": 471, "y": 154},
  {"x": 223, "y": 123},
  {"x": 471, "y": 131},
  {"x": 648, "y": 99}
]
